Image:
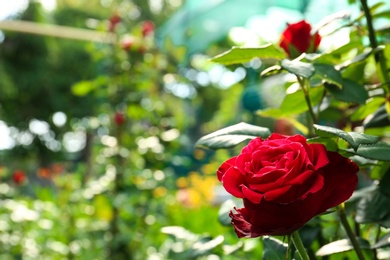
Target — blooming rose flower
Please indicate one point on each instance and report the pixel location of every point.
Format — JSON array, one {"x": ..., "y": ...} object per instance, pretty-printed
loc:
[
  {"x": 297, "y": 39},
  {"x": 284, "y": 182},
  {"x": 18, "y": 177}
]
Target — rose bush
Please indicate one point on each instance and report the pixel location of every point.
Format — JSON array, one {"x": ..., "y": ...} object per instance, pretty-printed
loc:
[
  {"x": 297, "y": 39},
  {"x": 284, "y": 182}
]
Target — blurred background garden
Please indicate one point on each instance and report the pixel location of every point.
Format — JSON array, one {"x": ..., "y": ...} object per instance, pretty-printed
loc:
[{"x": 101, "y": 104}]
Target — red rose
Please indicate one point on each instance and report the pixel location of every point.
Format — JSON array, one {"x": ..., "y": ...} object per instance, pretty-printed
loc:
[
  {"x": 297, "y": 39},
  {"x": 18, "y": 177},
  {"x": 284, "y": 182},
  {"x": 119, "y": 118},
  {"x": 147, "y": 28}
]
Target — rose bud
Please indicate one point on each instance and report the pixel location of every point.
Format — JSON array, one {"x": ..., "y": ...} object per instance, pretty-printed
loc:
[
  {"x": 19, "y": 177},
  {"x": 147, "y": 28},
  {"x": 284, "y": 182},
  {"x": 119, "y": 118},
  {"x": 297, "y": 39}
]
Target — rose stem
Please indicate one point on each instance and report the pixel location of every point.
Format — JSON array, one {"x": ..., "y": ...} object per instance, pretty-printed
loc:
[
  {"x": 299, "y": 245},
  {"x": 374, "y": 44},
  {"x": 305, "y": 89},
  {"x": 348, "y": 229}
]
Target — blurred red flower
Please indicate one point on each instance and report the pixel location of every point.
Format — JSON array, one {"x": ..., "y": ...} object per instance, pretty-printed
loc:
[
  {"x": 119, "y": 118},
  {"x": 297, "y": 38},
  {"x": 147, "y": 28},
  {"x": 19, "y": 177},
  {"x": 113, "y": 21}
]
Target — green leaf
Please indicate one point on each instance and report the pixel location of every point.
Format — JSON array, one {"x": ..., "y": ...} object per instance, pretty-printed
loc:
[
  {"x": 204, "y": 246},
  {"x": 293, "y": 104},
  {"x": 274, "y": 249},
  {"x": 224, "y": 210},
  {"x": 244, "y": 54},
  {"x": 340, "y": 246},
  {"x": 379, "y": 118},
  {"x": 374, "y": 208},
  {"x": 350, "y": 92},
  {"x": 178, "y": 232},
  {"x": 354, "y": 139},
  {"x": 272, "y": 70},
  {"x": 385, "y": 183},
  {"x": 302, "y": 69},
  {"x": 383, "y": 14},
  {"x": 382, "y": 242},
  {"x": 378, "y": 151},
  {"x": 330, "y": 144},
  {"x": 231, "y": 136},
  {"x": 329, "y": 74},
  {"x": 82, "y": 88},
  {"x": 370, "y": 107},
  {"x": 358, "y": 58}
]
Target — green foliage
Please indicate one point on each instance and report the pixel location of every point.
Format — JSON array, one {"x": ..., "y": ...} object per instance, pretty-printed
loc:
[
  {"x": 231, "y": 136},
  {"x": 274, "y": 248},
  {"x": 243, "y": 54},
  {"x": 293, "y": 104},
  {"x": 302, "y": 69},
  {"x": 353, "y": 138},
  {"x": 340, "y": 246}
]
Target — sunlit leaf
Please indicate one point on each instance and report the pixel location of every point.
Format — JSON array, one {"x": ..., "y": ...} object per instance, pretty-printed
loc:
[
  {"x": 358, "y": 58},
  {"x": 82, "y": 88},
  {"x": 302, "y": 69},
  {"x": 370, "y": 107},
  {"x": 382, "y": 242},
  {"x": 293, "y": 104},
  {"x": 329, "y": 74},
  {"x": 354, "y": 139},
  {"x": 244, "y": 54},
  {"x": 340, "y": 246},
  {"x": 178, "y": 232},
  {"x": 204, "y": 246},
  {"x": 224, "y": 210},
  {"x": 231, "y": 136}
]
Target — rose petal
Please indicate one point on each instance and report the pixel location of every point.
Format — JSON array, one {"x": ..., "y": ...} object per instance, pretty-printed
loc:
[
  {"x": 242, "y": 226},
  {"x": 268, "y": 218},
  {"x": 276, "y": 193},
  {"x": 242, "y": 160},
  {"x": 252, "y": 145},
  {"x": 224, "y": 167},
  {"x": 318, "y": 155},
  {"x": 232, "y": 181},
  {"x": 264, "y": 182},
  {"x": 251, "y": 195},
  {"x": 340, "y": 180}
]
